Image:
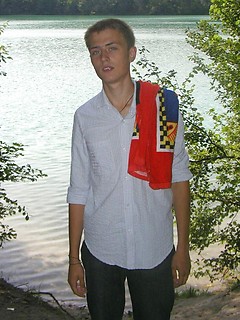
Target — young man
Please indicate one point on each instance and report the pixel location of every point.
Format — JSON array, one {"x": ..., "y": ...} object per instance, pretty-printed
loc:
[{"x": 127, "y": 172}]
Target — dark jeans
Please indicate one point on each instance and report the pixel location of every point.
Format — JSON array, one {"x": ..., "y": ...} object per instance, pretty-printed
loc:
[{"x": 151, "y": 290}]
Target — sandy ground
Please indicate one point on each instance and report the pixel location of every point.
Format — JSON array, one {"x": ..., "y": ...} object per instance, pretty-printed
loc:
[
  {"x": 222, "y": 305},
  {"x": 16, "y": 304}
]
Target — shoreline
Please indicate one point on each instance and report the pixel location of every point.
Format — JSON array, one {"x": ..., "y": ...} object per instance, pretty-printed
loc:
[{"x": 15, "y": 303}]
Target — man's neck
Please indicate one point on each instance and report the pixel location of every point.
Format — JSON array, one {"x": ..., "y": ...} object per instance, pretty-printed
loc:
[{"x": 119, "y": 94}]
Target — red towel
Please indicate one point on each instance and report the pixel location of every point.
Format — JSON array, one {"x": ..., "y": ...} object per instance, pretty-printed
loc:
[{"x": 152, "y": 145}]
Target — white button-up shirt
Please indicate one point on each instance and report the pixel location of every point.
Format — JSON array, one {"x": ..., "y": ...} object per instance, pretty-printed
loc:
[{"x": 126, "y": 223}]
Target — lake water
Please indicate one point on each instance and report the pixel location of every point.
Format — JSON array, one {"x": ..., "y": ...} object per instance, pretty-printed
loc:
[{"x": 49, "y": 77}]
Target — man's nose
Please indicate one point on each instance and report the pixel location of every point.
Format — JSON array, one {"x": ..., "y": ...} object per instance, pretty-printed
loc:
[{"x": 104, "y": 54}]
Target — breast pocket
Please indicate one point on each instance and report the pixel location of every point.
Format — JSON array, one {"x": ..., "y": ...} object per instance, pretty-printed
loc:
[{"x": 101, "y": 160}]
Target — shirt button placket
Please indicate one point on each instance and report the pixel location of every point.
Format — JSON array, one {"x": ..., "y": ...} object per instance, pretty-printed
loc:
[{"x": 127, "y": 197}]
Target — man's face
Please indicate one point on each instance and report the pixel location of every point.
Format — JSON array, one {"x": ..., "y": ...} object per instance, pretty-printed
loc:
[{"x": 110, "y": 55}]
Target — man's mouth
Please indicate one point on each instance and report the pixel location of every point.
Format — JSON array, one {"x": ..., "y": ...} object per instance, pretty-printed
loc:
[{"x": 107, "y": 68}]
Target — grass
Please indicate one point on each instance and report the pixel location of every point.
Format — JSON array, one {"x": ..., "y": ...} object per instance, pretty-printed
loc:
[{"x": 191, "y": 293}]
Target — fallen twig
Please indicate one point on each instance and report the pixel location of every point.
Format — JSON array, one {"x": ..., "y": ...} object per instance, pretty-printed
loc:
[{"x": 52, "y": 296}]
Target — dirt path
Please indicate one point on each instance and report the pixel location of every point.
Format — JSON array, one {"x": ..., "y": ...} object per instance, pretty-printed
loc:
[{"x": 16, "y": 304}]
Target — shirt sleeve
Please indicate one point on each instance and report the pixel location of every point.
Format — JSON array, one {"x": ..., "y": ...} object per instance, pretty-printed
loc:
[
  {"x": 79, "y": 177},
  {"x": 180, "y": 168}
]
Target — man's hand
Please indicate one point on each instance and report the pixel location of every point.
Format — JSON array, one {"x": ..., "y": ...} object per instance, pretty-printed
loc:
[
  {"x": 76, "y": 279},
  {"x": 181, "y": 266}
]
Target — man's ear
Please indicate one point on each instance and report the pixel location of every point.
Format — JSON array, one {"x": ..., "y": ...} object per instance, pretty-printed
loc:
[{"x": 132, "y": 54}]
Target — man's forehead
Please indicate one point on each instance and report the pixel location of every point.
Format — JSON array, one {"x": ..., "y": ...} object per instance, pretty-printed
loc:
[
  {"x": 105, "y": 45},
  {"x": 106, "y": 37}
]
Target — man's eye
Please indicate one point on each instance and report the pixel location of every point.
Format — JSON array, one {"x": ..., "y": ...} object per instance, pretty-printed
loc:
[
  {"x": 112, "y": 49},
  {"x": 95, "y": 52}
]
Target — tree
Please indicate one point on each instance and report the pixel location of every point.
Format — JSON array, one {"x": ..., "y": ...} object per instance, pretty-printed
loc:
[
  {"x": 214, "y": 152},
  {"x": 11, "y": 171},
  {"x": 106, "y": 7},
  {"x": 175, "y": 7},
  {"x": 141, "y": 6},
  {"x": 121, "y": 7},
  {"x": 218, "y": 39}
]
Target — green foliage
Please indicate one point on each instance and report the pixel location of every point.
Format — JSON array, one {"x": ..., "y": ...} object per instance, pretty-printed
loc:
[
  {"x": 215, "y": 152},
  {"x": 191, "y": 293},
  {"x": 104, "y": 7},
  {"x": 12, "y": 172},
  {"x": 4, "y": 55},
  {"x": 218, "y": 39},
  {"x": 174, "y": 7}
]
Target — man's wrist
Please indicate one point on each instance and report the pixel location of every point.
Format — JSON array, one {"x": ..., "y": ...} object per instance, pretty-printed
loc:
[{"x": 74, "y": 260}]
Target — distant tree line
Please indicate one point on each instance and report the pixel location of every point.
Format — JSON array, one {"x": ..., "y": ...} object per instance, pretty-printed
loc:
[{"x": 105, "y": 7}]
